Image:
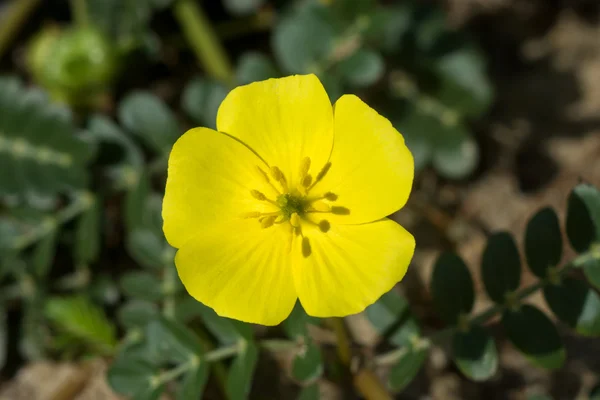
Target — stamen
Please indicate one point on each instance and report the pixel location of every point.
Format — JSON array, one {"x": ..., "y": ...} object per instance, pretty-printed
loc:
[
  {"x": 295, "y": 220},
  {"x": 251, "y": 214},
  {"x": 304, "y": 167},
  {"x": 268, "y": 221},
  {"x": 258, "y": 195},
  {"x": 278, "y": 176},
  {"x": 330, "y": 196},
  {"x": 263, "y": 174},
  {"x": 340, "y": 210},
  {"x": 306, "y": 181},
  {"x": 323, "y": 172},
  {"x": 265, "y": 177},
  {"x": 321, "y": 206}
]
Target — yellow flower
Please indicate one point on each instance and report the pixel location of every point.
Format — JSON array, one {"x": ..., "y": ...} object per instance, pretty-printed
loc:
[{"x": 289, "y": 201}]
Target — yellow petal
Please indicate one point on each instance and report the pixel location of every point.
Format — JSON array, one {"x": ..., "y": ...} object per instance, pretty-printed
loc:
[
  {"x": 241, "y": 271},
  {"x": 283, "y": 120},
  {"x": 210, "y": 181},
  {"x": 342, "y": 269},
  {"x": 371, "y": 170}
]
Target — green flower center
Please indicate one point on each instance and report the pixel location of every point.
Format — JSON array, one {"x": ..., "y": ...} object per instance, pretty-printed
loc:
[{"x": 290, "y": 204}]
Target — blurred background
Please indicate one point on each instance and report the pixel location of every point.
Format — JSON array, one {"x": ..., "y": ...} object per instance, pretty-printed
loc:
[{"x": 499, "y": 101}]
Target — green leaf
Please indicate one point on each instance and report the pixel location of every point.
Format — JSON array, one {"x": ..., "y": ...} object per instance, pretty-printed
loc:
[
  {"x": 591, "y": 269},
  {"x": 475, "y": 353},
  {"x": 40, "y": 154},
  {"x": 171, "y": 341},
  {"x": 201, "y": 100},
  {"x": 239, "y": 380},
  {"x": 417, "y": 130},
  {"x": 583, "y": 217},
  {"x": 242, "y": 7},
  {"x": 333, "y": 85},
  {"x": 407, "y": 367},
  {"x": 431, "y": 27},
  {"x": 455, "y": 153},
  {"x": 224, "y": 329},
  {"x": 146, "y": 248},
  {"x": 136, "y": 198},
  {"x": 543, "y": 242},
  {"x": 575, "y": 304},
  {"x": 137, "y": 313},
  {"x": 43, "y": 254},
  {"x": 452, "y": 288},
  {"x": 303, "y": 40},
  {"x": 187, "y": 308},
  {"x": 363, "y": 68},
  {"x": 501, "y": 266},
  {"x": 149, "y": 117},
  {"x": 465, "y": 85},
  {"x": 141, "y": 285},
  {"x": 308, "y": 365},
  {"x": 310, "y": 392},
  {"x": 254, "y": 66},
  {"x": 87, "y": 237},
  {"x": 389, "y": 25},
  {"x": 392, "y": 318},
  {"x": 535, "y": 336},
  {"x": 194, "y": 382},
  {"x": 131, "y": 377},
  {"x": 83, "y": 320},
  {"x": 295, "y": 325}
]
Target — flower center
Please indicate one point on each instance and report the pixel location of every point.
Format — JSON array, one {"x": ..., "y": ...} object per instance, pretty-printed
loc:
[
  {"x": 290, "y": 204},
  {"x": 295, "y": 203}
]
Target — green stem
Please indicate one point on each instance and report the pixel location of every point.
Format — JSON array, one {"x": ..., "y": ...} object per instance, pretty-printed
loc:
[
  {"x": 80, "y": 204},
  {"x": 79, "y": 12},
  {"x": 14, "y": 18},
  {"x": 342, "y": 339},
  {"x": 276, "y": 345},
  {"x": 221, "y": 353},
  {"x": 481, "y": 318},
  {"x": 176, "y": 372},
  {"x": 262, "y": 21},
  {"x": 203, "y": 40},
  {"x": 211, "y": 357},
  {"x": 169, "y": 291}
]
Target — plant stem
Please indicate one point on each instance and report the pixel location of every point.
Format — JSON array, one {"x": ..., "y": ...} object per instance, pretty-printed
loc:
[
  {"x": 176, "y": 372},
  {"x": 14, "y": 18},
  {"x": 79, "y": 12},
  {"x": 221, "y": 353},
  {"x": 203, "y": 40},
  {"x": 394, "y": 355},
  {"x": 342, "y": 340},
  {"x": 261, "y": 21},
  {"x": 80, "y": 204}
]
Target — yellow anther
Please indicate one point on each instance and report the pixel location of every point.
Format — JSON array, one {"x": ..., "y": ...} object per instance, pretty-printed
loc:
[
  {"x": 278, "y": 176},
  {"x": 251, "y": 214},
  {"x": 322, "y": 173},
  {"x": 330, "y": 196},
  {"x": 276, "y": 173},
  {"x": 304, "y": 167},
  {"x": 295, "y": 220},
  {"x": 306, "y": 181},
  {"x": 268, "y": 221},
  {"x": 321, "y": 206},
  {"x": 263, "y": 174},
  {"x": 258, "y": 195}
]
